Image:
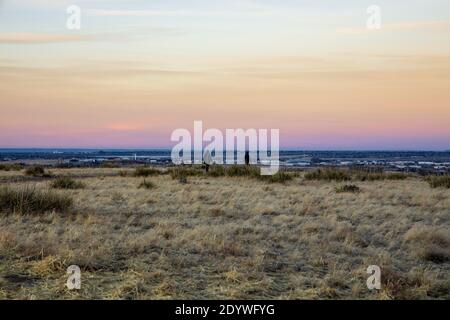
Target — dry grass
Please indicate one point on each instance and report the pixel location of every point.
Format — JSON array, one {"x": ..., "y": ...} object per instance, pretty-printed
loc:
[
  {"x": 144, "y": 172},
  {"x": 66, "y": 183},
  {"x": 147, "y": 184},
  {"x": 229, "y": 237},
  {"x": 28, "y": 199},
  {"x": 35, "y": 171},
  {"x": 335, "y": 174},
  {"x": 348, "y": 188},
  {"x": 10, "y": 167},
  {"x": 439, "y": 181}
]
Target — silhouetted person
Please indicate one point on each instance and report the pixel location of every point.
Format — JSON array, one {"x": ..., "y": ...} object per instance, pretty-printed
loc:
[
  {"x": 247, "y": 158},
  {"x": 207, "y": 160}
]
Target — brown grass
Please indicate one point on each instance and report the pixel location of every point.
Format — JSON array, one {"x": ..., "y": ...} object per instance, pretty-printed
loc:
[
  {"x": 35, "y": 171},
  {"x": 439, "y": 181},
  {"x": 29, "y": 199},
  {"x": 229, "y": 237},
  {"x": 11, "y": 167},
  {"x": 66, "y": 183}
]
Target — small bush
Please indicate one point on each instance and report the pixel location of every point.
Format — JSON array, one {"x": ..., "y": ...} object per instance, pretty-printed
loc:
[
  {"x": 216, "y": 171},
  {"x": 328, "y": 175},
  {"x": 348, "y": 188},
  {"x": 66, "y": 183},
  {"x": 434, "y": 254},
  {"x": 146, "y": 172},
  {"x": 123, "y": 173},
  {"x": 184, "y": 172},
  {"x": 147, "y": 185},
  {"x": 182, "y": 180},
  {"x": 110, "y": 164},
  {"x": 279, "y": 177},
  {"x": 248, "y": 171},
  {"x": 396, "y": 176},
  {"x": 29, "y": 200},
  {"x": 35, "y": 171},
  {"x": 242, "y": 171},
  {"x": 11, "y": 167},
  {"x": 439, "y": 181},
  {"x": 379, "y": 176}
]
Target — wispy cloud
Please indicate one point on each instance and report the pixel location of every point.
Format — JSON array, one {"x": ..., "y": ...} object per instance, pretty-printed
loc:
[
  {"x": 401, "y": 26},
  {"x": 33, "y": 38},
  {"x": 252, "y": 12}
]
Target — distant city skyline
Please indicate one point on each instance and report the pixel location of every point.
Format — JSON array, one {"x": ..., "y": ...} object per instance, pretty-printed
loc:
[{"x": 137, "y": 70}]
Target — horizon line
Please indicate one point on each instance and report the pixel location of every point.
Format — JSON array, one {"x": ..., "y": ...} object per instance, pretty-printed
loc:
[{"x": 169, "y": 148}]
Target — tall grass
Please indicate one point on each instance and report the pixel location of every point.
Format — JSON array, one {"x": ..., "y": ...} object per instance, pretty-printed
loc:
[
  {"x": 439, "y": 181},
  {"x": 66, "y": 183},
  {"x": 146, "y": 185},
  {"x": 29, "y": 200},
  {"x": 329, "y": 174},
  {"x": 279, "y": 177},
  {"x": 334, "y": 174},
  {"x": 248, "y": 171},
  {"x": 348, "y": 188},
  {"x": 35, "y": 171},
  {"x": 181, "y": 172},
  {"x": 146, "y": 172},
  {"x": 368, "y": 176},
  {"x": 242, "y": 171},
  {"x": 10, "y": 167}
]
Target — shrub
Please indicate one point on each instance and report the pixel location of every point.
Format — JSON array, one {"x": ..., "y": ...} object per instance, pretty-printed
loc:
[
  {"x": 11, "y": 167},
  {"x": 434, "y": 254},
  {"x": 439, "y": 181},
  {"x": 182, "y": 179},
  {"x": 146, "y": 172},
  {"x": 396, "y": 176},
  {"x": 279, "y": 177},
  {"x": 66, "y": 183},
  {"x": 330, "y": 174},
  {"x": 123, "y": 173},
  {"x": 184, "y": 172},
  {"x": 147, "y": 185},
  {"x": 348, "y": 188},
  {"x": 35, "y": 171},
  {"x": 110, "y": 164},
  {"x": 248, "y": 171},
  {"x": 242, "y": 171},
  {"x": 216, "y": 171},
  {"x": 370, "y": 176},
  {"x": 28, "y": 200}
]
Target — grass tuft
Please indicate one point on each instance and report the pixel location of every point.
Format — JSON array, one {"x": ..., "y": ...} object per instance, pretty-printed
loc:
[
  {"x": 66, "y": 183},
  {"x": 35, "y": 171},
  {"x": 439, "y": 181},
  {"x": 29, "y": 200},
  {"x": 350, "y": 188},
  {"x": 279, "y": 177},
  {"x": 330, "y": 174},
  {"x": 182, "y": 172},
  {"x": 11, "y": 167},
  {"x": 147, "y": 185},
  {"x": 380, "y": 176},
  {"x": 146, "y": 172}
]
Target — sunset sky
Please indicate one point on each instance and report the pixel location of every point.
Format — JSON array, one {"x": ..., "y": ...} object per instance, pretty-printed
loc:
[{"x": 138, "y": 69}]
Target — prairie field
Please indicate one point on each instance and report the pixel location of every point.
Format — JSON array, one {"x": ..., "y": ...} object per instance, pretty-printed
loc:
[{"x": 198, "y": 236}]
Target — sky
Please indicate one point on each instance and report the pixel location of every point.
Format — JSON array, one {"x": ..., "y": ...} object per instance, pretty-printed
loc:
[{"x": 139, "y": 69}]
